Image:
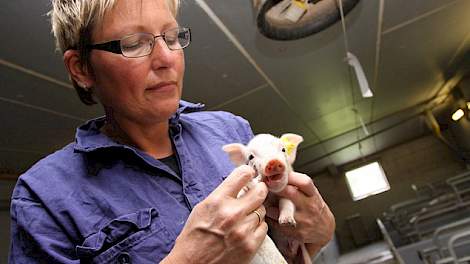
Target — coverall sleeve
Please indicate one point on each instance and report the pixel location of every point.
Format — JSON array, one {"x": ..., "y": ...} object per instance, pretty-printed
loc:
[{"x": 36, "y": 237}]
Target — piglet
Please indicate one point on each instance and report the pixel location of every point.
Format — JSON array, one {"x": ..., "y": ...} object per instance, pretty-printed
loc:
[{"x": 272, "y": 159}]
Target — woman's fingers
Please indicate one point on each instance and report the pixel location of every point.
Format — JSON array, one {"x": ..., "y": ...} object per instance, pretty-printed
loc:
[
  {"x": 260, "y": 233},
  {"x": 292, "y": 193},
  {"x": 239, "y": 177},
  {"x": 251, "y": 230},
  {"x": 299, "y": 188},
  {"x": 303, "y": 182},
  {"x": 255, "y": 218},
  {"x": 254, "y": 197}
]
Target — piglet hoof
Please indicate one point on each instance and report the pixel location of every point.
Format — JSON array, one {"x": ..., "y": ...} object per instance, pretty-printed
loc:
[{"x": 287, "y": 221}]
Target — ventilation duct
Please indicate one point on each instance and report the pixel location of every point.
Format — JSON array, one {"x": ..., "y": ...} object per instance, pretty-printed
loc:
[{"x": 295, "y": 19}]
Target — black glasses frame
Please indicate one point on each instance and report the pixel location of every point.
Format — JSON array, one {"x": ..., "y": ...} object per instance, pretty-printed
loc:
[{"x": 114, "y": 46}]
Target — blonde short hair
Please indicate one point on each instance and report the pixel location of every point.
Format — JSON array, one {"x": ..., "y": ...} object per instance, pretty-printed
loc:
[{"x": 72, "y": 24}]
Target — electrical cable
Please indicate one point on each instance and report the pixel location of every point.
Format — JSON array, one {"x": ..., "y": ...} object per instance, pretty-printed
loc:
[{"x": 353, "y": 99}]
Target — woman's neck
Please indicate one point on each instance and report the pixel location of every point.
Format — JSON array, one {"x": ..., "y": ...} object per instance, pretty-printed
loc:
[{"x": 153, "y": 139}]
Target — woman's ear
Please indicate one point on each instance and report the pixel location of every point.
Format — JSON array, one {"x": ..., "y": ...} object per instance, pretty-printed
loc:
[{"x": 77, "y": 71}]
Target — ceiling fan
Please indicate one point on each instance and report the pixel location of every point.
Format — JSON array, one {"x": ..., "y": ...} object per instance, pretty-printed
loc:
[{"x": 295, "y": 19}]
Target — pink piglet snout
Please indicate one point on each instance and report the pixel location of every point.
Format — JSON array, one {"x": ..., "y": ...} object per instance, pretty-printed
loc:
[{"x": 273, "y": 167}]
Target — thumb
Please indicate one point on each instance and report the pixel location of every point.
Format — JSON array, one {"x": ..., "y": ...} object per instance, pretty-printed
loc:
[{"x": 239, "y": 177}]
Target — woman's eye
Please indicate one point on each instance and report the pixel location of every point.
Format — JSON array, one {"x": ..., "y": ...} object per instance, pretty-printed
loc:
[
  {"x": 251, "y": 157},
  {"x": 134, "y": 45},
  {"x": 171, "y": 39}
]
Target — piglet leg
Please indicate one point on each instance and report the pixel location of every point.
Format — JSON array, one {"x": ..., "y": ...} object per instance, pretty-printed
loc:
[{"x": 286, "y": 212}]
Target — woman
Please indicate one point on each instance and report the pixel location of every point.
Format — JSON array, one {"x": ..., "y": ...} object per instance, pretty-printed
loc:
[{"x": 148, "y": 182}]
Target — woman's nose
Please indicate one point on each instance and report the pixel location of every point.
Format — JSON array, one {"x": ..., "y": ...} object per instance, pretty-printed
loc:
[{"x": 161, "y": 55}]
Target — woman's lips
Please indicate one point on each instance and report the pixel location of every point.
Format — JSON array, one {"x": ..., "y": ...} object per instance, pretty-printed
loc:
[{"x": 162, "y": 87}]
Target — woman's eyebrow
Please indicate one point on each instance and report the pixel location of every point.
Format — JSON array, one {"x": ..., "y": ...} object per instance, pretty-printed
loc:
[
  {"x": 169, "y": 25},
  {"x": 138, "y": 28},
  {"x": 128, "y": 30}
]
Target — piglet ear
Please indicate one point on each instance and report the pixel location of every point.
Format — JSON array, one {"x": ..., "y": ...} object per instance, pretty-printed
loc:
[
  {"x": 237, "y": 153},
  {"x": 291, "y": 141}
]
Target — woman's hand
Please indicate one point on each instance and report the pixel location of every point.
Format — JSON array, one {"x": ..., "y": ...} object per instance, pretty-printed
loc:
[
  {"x": 222, "y": 228},
  {"x": 315, "y": 222}
]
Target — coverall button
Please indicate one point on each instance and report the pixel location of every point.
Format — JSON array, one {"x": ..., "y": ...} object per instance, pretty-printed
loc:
[{"x": 124, "y": 258}]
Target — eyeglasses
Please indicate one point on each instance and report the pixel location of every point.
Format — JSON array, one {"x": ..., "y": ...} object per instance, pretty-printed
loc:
[{"x": 141, "y": 44}]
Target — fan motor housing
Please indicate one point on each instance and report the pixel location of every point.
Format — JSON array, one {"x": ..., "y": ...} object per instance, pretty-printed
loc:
[{"x": 319, "y": 15}]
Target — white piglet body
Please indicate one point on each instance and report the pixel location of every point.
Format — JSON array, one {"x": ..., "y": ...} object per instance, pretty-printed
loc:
[{"x": 272, "y": 159}]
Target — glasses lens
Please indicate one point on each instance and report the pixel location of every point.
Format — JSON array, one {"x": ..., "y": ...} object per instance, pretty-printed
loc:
[
  {"x": 177, "y": 38},
  {"x": 137, "y": 45}
]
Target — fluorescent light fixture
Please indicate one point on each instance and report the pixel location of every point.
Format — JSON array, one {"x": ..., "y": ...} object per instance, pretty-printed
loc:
[
  {"x": 457, "y": 115},
  {"x": 468, "y": 105},
  {"x": 366, "y": 181},
  {"x": 361, "y": 77}
]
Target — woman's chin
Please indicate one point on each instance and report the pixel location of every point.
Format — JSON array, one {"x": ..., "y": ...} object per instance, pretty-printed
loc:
[{"x": 166, "y": 106}]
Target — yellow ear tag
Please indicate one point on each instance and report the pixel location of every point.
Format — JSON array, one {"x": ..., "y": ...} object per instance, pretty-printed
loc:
[
  {"x": 301, "y": 4},
  {"x": 288, "y": 145}
]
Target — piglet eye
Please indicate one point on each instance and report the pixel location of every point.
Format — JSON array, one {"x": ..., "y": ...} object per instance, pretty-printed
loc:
[
  {"x": 283, "y": 150},
  {"x": 251, "y": 157}
]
